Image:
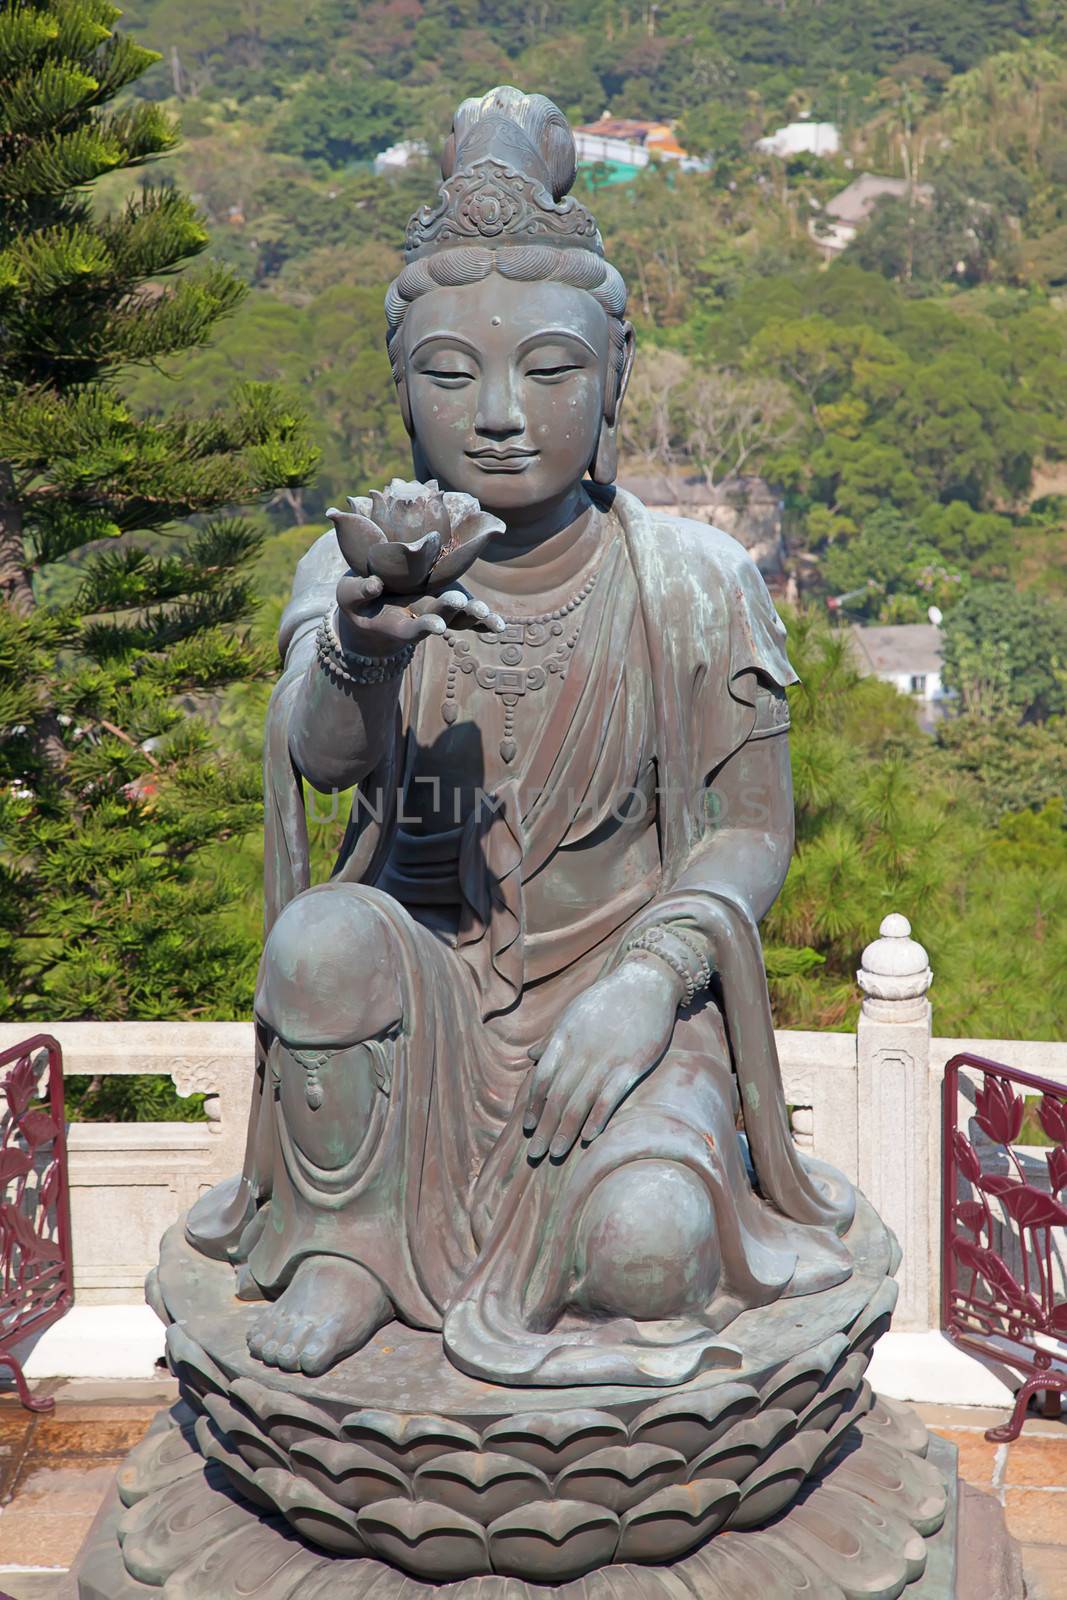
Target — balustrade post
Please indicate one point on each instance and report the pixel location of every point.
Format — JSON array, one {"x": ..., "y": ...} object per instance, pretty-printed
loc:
[{"x": 896, "y": 1109}]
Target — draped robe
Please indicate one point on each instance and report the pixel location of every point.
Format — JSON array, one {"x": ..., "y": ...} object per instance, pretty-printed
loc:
[{"x": 680, "y": 661}]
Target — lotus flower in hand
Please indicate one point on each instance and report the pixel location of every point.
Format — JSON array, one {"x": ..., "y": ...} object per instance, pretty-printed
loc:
[{"x": 413, "y": 536}]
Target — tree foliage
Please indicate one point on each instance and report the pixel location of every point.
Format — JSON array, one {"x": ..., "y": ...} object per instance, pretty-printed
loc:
[{"x": 113, "y": 627}]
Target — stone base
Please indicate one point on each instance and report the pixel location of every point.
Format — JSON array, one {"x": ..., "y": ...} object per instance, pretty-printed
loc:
[{"x": 879, "y": 1523}]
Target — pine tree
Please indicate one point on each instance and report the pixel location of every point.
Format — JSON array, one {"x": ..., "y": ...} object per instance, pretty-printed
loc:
[{"x": 111, "y": 633}]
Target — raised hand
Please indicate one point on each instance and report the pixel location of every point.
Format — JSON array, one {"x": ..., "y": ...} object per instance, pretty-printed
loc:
[
  {"x": 371, "y": 625},
  {"x": 406, "y": 549},
  {"x": 607, "y": 1040}
]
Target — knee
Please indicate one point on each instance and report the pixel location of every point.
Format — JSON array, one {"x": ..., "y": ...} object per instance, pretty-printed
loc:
[
  {"x": 648, "y": 1246},
  {"x": 331, "y": 971}
]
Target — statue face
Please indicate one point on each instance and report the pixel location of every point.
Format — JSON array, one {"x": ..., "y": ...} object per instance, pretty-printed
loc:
[{"x": 506, "y": 384}]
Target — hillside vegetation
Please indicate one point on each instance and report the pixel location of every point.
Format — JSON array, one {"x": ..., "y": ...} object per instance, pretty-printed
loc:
[{"x": 909, "y": 397}]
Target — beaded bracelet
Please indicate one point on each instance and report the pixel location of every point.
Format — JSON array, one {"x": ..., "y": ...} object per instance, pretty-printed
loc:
[
  {"x": 663, "y": 940},
  {"x": 348, "y": 667}
]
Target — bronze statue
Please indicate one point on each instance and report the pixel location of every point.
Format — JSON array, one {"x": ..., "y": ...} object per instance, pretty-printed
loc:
[
  {"x": 524, "y": 1279},
  {"x": 516, "y": 993}
]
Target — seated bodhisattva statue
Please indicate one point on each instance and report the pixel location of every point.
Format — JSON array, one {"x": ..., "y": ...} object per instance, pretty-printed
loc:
[{"x": 505, "y": 1051}]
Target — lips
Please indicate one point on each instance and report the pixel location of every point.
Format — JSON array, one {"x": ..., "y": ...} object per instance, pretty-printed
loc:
[{"x": 502, "y": 460}]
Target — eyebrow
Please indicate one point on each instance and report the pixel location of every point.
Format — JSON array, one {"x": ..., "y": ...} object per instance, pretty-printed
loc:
[
  {"x": 547, "y": 335},
  {"x": 454, "y": 339}
]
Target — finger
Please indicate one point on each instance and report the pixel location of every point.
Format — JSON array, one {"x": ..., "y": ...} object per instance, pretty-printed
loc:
[
  {"x": 353, "y": 591},
  {"x": 574, "y": 1114},
  {"x": 611, "y": 1096},
  {"x": 401, "y": 626},
  {"x": 440, "y": 604},
  {"x": 564, "y": 1084},
  {"x": 540, "y": 1083}
]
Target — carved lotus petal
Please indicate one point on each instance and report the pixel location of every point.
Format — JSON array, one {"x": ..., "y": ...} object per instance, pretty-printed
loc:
[
  {"x": 874, "y": 1320},
  {"x": 406, "y": 511},
  {"x": 430, "y": 1541},
  {"x": 622, "y": 1475},
  {"x": 403, "y": 568},
  {"x": 217, "y": 1449},
  {"x": 348, "y": 1473},
  {"x": 243, "y": 1434},
  {"x": 691, "y": 1422},
  {"x": 315, "y": 1517},
  {"x": 160, "y": 1459},
  {"x": 671, "y": 1522},
  {"x": 776, "y": 1482},
  {"x": 357, "y": 536},
  {"x": 754, "y": 1568},
  {"x": 244, "y": 1562},
  {"x": 456, "y": 558},
  {"x": 896, "y": 1483},
  {"x": 552, "y": 1440},
  {"x": 160, "y": 1534},
  {"x": 407, "y": 1439},
  {"x": 796, "y": 1384},
  {"x": 855, "y": 1544},
  {"x": 285, "y": 1417},
  {"x": 838, "y": 1391},
  {"x": 392, "y": 534},
  {"x": 553, "y": 1540},
  {"x": 192, "y": 1365},
  {"x": 482, "y": 1485},
  {"x": 741, "y": 1449},
  {"x": 896, "y": 1425}
]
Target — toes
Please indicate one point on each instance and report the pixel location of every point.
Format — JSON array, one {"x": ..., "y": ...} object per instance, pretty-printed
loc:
[
  {"x": 269, "y": 1352},
  {"x": 322, "y": 1347}
]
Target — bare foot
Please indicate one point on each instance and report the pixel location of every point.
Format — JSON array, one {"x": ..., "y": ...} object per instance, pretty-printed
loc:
[{"x": 331, "y": 1308}]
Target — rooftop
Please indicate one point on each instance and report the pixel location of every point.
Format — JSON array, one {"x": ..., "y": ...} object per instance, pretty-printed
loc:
[
  {"x": 902, "y": 647},
  {"x": 855, "y": 203}
]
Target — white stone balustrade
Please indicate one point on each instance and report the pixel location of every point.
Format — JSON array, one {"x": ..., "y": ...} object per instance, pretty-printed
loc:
[{"x": 869, "y": 1102}]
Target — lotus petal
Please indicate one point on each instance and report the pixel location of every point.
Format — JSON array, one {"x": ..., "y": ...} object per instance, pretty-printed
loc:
[
  {"x": 357, "y": 537},
  {"x": 315, "y": 1517},
  {"x": 159, "y": 1460},
  {"x": 348, "y": 1473},
  {"x": 482, "y": 1485},
  {"x": 407, "y": 1439},
  {"x": 406, "y": 511},
  {"x": 454, "y": 561},
  {"x": 553, "y": 1540},
  {"x": 243, "y": 1435},
  {"x": 671, "y": 1522},
  {"x": 430, "y": 1541},
  {"x": 621, "y": 1476},
  {"x": 403, "y": 568},
  {"x": 161, "y": 1533},
  {"x": 552, "y": 1440},
  {"x": 693, "y": 1421},
  {"x": 776, "y": 1483}
]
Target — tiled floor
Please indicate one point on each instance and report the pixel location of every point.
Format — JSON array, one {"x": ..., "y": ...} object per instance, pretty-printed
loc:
[{"x": 54, "y": 1470}]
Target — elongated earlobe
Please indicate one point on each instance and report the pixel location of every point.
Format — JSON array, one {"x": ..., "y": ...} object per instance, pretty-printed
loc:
[{"x": 604, "y": 466}]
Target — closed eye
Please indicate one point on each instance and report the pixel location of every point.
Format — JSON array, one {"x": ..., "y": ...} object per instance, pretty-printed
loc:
[
  {"x": 552, "y": 372},
  {"x": 441, "y": 375}
]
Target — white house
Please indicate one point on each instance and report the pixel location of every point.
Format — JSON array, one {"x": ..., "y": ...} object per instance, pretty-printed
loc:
[
  {"x": 908, "y": 655},
  {"x": 802, "y": 138}
]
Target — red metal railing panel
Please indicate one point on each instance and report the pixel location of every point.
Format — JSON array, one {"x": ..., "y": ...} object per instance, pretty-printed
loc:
[
  {"x": 1004, "y": 1228},
  {"x": 36, "y": 1260}
]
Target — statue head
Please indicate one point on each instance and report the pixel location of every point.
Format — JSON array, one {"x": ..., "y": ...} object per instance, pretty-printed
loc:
[{"x": 507, "y": 329}]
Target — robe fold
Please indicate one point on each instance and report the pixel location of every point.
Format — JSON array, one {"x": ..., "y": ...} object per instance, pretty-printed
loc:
[{"x": 678, "y": 643}]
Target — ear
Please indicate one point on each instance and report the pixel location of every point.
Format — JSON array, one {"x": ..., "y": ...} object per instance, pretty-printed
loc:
[
  {"x": 605, "y": 463},
  {"x": 405, "y": 404}
]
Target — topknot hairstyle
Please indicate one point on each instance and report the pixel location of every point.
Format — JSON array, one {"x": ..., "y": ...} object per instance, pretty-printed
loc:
[{"x": 504, "y": 206}]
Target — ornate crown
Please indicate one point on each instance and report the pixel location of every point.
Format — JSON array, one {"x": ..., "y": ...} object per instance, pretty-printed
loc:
[{"x": 507, "y": 167}]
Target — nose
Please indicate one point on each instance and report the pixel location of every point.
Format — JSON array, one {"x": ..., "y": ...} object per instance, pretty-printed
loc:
[{"x": 499, "y": 415}]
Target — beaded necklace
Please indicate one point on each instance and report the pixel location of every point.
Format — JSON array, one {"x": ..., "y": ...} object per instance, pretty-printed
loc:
[{"x": 513, "y": 678}]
